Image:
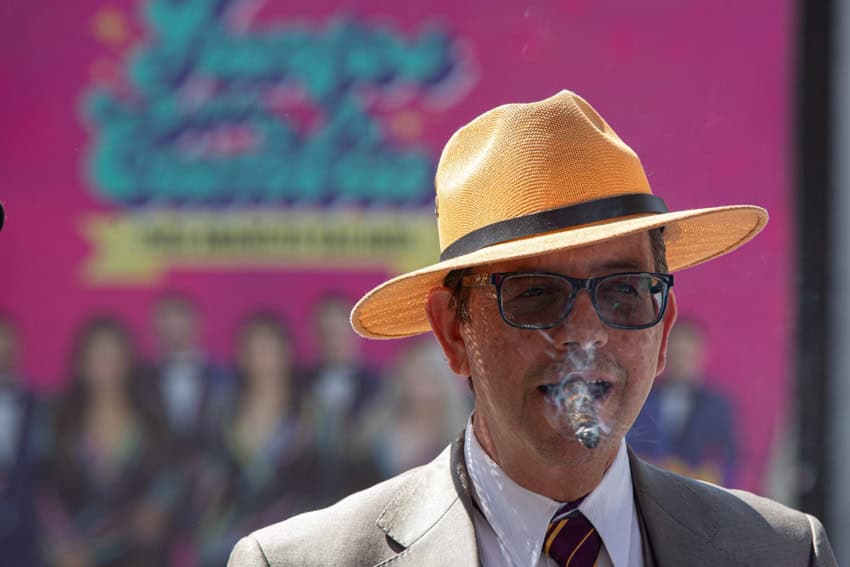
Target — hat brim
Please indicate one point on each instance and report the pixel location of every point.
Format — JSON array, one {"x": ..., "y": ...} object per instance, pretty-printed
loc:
[{"x": 396, "y": 308}]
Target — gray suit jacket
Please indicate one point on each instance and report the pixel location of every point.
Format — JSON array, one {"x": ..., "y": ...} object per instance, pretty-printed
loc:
[{"x": 424, "y": 517}]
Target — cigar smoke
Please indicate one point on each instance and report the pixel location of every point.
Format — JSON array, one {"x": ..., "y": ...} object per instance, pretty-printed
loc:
[{"x": 571, "y": 401}]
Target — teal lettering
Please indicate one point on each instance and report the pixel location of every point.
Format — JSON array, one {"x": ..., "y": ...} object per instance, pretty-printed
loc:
[{"x": 202, "y": 128}]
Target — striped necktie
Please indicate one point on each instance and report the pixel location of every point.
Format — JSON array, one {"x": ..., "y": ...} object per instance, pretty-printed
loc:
[{"x": 571, "y": 540}]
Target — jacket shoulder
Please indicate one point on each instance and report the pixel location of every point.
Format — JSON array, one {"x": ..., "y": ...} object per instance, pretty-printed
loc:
[
  {"x": 741, "y": 525},
  {"x": 806, "y": 529}
]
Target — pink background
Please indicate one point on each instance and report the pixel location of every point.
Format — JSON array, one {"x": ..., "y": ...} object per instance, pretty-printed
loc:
[{"x": 700, "y": 89}]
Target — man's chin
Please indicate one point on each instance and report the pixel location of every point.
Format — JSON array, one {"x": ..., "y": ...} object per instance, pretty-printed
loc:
[{"x": 561, "y": 447}]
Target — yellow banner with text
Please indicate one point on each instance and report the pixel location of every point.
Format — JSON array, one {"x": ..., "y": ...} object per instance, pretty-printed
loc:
[{"x": 137, "y": 248}]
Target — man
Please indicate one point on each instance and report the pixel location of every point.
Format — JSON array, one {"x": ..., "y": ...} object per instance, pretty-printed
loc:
[
  {"x": 22, "y": 447},
  {"x": 685, "y": 425},
  {"x": 552, "y": 295},
  {"x": 339, "y": 387},
  {"x": 190, "y": 387},
  {"x": 192, "y": 392}
]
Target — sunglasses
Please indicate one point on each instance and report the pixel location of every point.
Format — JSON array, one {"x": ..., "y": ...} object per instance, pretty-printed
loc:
[{"x": 528, "y": 300}]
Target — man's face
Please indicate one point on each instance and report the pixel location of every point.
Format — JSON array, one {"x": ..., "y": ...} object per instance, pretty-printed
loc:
[
  {"x": 175, "y": 326},
  {"x": 513, "y": 418},
  {"x": 337, "y": 342},
  {"x": 685, "y": 355}
]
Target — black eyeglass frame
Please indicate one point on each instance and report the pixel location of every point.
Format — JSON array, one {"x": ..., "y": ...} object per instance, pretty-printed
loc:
[{"x": 576, "y": 285}]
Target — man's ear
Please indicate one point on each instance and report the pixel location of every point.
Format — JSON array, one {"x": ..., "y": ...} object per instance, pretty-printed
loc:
[
  {"x": 447, "y": 329},
  {"x": 667, "y": 326}
]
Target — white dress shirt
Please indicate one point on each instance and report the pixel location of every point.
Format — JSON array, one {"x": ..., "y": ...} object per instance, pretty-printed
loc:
[
  {"x": 511, "y": 522},
  {"x": 182, "y": 389}
]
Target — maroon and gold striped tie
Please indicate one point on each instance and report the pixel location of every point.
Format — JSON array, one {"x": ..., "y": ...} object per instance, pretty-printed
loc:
[{"x": 571, "y": 539}]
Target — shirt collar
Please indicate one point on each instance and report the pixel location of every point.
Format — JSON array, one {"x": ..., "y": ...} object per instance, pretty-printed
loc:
[
  {"x": 610, "y": 507},
  {"x": 520, "y": 517}
]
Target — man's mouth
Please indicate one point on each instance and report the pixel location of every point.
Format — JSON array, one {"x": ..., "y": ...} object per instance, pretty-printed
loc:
[
  {"x": 597, "y": 388},
  {"x": 574, "y": 402}
]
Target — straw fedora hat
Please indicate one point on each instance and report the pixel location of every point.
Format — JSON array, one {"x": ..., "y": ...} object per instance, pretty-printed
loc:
[{"x": 527, "y": 179}]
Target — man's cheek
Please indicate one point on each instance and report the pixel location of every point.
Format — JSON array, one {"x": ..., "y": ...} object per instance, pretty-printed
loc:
[{"x": 641, "y": 349}]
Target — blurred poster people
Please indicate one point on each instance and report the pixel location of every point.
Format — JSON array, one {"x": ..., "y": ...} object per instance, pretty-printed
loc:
[
  {"x": 194, "y": 393},
  {"x": 685, "y": 426},
  {"x": 421, "y": 409},
  {"x": 107, "y": 494},
  {"x": 263, "y": 470},
  {"x": 21, "y": 447},
  {"x": 340, "y": 387},
  {"x": 193, "y": 389}
]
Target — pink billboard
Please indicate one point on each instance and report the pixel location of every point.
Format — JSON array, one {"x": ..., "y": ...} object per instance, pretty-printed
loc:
[{"x": 262, "y": 155}]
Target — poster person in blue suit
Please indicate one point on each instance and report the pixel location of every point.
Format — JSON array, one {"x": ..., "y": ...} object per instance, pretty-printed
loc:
[{"x": 685, "y": 425}]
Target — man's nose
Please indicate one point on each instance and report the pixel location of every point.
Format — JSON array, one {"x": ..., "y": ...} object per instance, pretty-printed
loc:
[{"x": 582, "y": 325}]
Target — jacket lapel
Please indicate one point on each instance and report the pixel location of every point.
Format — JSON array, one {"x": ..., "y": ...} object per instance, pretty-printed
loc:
[
  {"x": 430, "y": 516},
  {"x": 677, "y": 527}
]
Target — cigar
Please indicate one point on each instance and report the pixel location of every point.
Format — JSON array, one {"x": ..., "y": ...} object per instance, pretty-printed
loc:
[{"x": 578, "y": 401}]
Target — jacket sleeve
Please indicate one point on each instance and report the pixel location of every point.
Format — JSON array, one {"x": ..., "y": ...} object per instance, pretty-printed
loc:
[
  {"x": 248, "y": 553},
  {"x": 822, "y": 555}
]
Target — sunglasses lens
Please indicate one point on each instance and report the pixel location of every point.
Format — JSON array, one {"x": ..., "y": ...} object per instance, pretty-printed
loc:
[
  {"x": 632, "y": 300},
  {"x": 536, "y": 301}
]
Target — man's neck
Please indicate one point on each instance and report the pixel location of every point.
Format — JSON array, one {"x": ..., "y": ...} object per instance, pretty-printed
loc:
[{"x": 569, "y": 478}]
